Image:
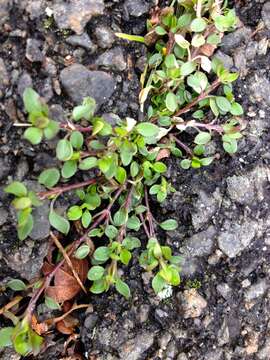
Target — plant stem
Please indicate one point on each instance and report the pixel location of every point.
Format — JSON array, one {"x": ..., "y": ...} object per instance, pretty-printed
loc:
[
  {"x": 72, "y": 127},
  {"x": 199, "y": 9},
  {"x": 59, "y": 190},
  {"x": 182, "y": 145},
  {"x": 149, "y": 215}
]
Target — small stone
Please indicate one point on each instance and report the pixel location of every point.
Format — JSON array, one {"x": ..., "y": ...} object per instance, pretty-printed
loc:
[
  {"x": 266, "y": 14},
  {"x": 256, "y": 290},
  {"x": 251, "y": 50},
  {"x": 5, "y": 7},
  {"x": 143, "y": 313},
  {"x": 231, "y": 41},
  {"x": 226, "y": 59},
  {"x": 224, "y": 290},
  {"x": 223, "y": 334},
  {"x": 240, "y": 61},
  {"x": 245, "y": 283},
  {"x": 82, "y": 40},
  {"x": 201, "y": 244},
  {"x": 35, "y": 8},
  {"x": 24, "y": 82},
  {"x": 4, "y": 168},
  {"x": 137, "y": 8},
  {"x": 193, "y": 304},
  {"x": 105, "y": 36},
  {"x": 41, "y": 229},
  {"x": 75, "y": 14},
  {"x": 79, "y": 82},
  {"x": 264, "y": 352},
  {"x": 182, "y": 356},
  {"x": 257, "y": 85},
  {"x": 236, "y": 237},
  {"x": 3, "y": 216},
  {"x": 112, "y": 59},
  {"x": 137, "y": 347},
  {"x": 4, "y": 78},
  {"x": 49, "y": 67},
  {"x": 33, "y": 52}
]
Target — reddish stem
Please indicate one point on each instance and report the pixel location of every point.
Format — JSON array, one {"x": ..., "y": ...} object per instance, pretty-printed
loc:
[{"x": 69, "y": 126}]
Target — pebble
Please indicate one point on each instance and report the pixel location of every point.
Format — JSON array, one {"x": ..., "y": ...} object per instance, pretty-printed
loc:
[
  {"x": 112, "y": 59},
  {"x": 79, "y": 82},
  {"x": 3, "y": 216},
  {"x": 201, "y": 244},
  {"x": 4, "y": 78},
  {"x": 266, "y": 14},
  {"x": 82, "y": 40},
  {"x": 134, "y": 348},
  {"x": 33, "y": 52},
  {"x": 105, "y": 36},
  {"x": 24, "y": 81},
  {"x": 256, "y": 290},
  {"x": 137, "y": 8},
  {"x": 192, "y": 303}
]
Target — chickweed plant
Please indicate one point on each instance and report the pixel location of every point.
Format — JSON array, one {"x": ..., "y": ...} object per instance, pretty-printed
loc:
[{"x": 123, "y": 165}]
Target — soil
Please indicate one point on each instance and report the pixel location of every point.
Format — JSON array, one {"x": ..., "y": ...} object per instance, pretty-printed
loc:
[{"x": 221, "y": 310}]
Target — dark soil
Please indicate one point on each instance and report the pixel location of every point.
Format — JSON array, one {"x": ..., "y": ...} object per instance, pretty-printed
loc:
[{"x": 221, "y": 311}]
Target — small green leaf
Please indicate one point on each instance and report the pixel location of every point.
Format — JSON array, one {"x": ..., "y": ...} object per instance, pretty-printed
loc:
[
  {"x": 98, "y": 287},
  {"x": 33, "y": 135},
  {"x": 171, "y": 102},
  {"x": 111, "y": 231},
  {"x": 98, "y": 126},
  {"x": 74, "y": 213},
  {"x": 49, "y": 177},
  {"x": 131, "y": 37},
  {"x": 188, "y": 68},
  {"x": 121, "y": 175},
  {"x": 134, "y": 169},
  {"x": 64, "y": 150},
  {"x": 236, "y": 109},
  {"x": 230, "y": 147},
  {"x": 198, "y": 25},
  {"x": 31, "y": 101},
  {"x": 202, "y": 138},
  {"x": 76, "y": 140},
  {"x": 181, "y": 41},
  {"x": 125, "y": 256},
  {"x": 131, "y": 243},
  {"x": 6, "y": 336},
  {"x": 158, "y": 283},
  {"x": 16, "y": 188},
  {"x": 59, "y": 223},
  {"x": 133, "y": 223},
  {"x": 95, "y": 273},
  {"x": 88, "y": 163},
  {"x": 51, "y": 303},
  {"x": 102, "y": 254},
  {"x": 69, "y": 169},
  {"x": 86, "y": 110},
  {"x": 122, "y": 288},
  {"x": 147, "y": 129},
  {"x": 159, "y": 167},
  {"x": 25, "y": 228},
  {"x": 223, "y": 103},
  {"x": 169, "y": 225},
  {"x": 207, "y": 161},
  {"x": 16, "y": 285},
  {"x": 82, "y": 252},
  {"x": 185, "y": 164},
  {"x": 120, "y": 217},
  {"x": 21, "y": 203},
  {"x": 86, "y": 219},
  {"x": 160, "y": 30},
  {"x": 51, "y": 130}
]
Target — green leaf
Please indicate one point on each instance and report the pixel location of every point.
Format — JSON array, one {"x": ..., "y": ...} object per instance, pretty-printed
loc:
[
  {"x": 120, "y": 217},
  {"x": 159, "y": 167},
  {"x": 134, "y": 169},
  {"x": 31, "y": 101},
  {"x": 69, "y": 169},
  {"x": 131, "y": 243},
  {"x": 198, "y": 25},
  {"x": 98, "y": 126},
  {"x": 82, "y": 252},
  {"x": 169, "y": 225},
  {"x": 170, "y": 61},
  {"x": 214, "y": 107},
  {"x": 122, "y": 288},
  {"x": 111, "y": 231},
  {"x": 64, "y": 150},
  {"x": 86, "y": 219},
  {"x": 16, "y": 188},
  {"x": 121, "y": 175},
  {"x": 33, "y": 135},
  {"x": 125, "y": 256},
  {"x": 102, "y": 254},
  {"x": 158, "y": 283},
  {"x": 188, "y": 68},
  {"x": 198, "y": 81},
  {"x": 76, "y": 140},
  {"x": 86, "y": 110},
  {"x": 166, "y": 252},
  {"x": 131, "y": 37},
  {"x": 51, "y": 303},
  {"x": 49, "y": 177},
  {"x": 88, "y": 163},
  {"x": 213, "y": 39},
  {"x": 22, "y": 203},
  {"x": 51, "y": 130},
  {"x": 171, "y": 102},
  {"x": 98, "y": 287},
  {"x": 95, "y": 273},
  {"x": 198, "y": 40},
  {"x": 35, "y": 341},
  {"x": 160, "y": 30},
  {"x": 230, "y": 147},
  {"x": 59, "y": 223},
  {"x": 207, "y": 161},
  {"x": 147, "y": 129},
  {"x": 6, "y": 336},
  {"x": 175, "y": 277},
  {"x": 181, "y": 41},
  {"x": 184, "y": 20},
  {"x": 223, "y": 103},
  {"x": 25, "y": 228},
  {"x": 16, "y": 285},
  {"x": 202, "y": 138},
  {"x": 185, "y": 164},
  {"x": 236, "y": 109},
  {"x": 133, "y": 223},
  {"x": 74, "y": 213}
]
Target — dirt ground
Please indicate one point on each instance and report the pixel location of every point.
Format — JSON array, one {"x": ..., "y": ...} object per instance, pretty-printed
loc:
[{"x": 221, "y": 310}]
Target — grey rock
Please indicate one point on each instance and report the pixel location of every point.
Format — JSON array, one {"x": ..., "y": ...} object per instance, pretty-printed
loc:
[
  {"x": 111, "y": 118},
  {"x": 79, "y": 82},
  {"x": 251, "y": 50},
  {"x": 189, "y": 266},
  {"x": 4, "y": 168},
  {"x": 201, "y": 244},
  {"x": 224, "y": 290},
  {"x": 5, "y": 7},
  {"x": 75, "y": 14},
  {"x": 41, "y": 229},
  {"x": 137, "y": 8},
  {"x": 256, "y": 290},
  {"x": 28, "y": 259},
  {"x": 112, "y": 59},
  {"x": 182, "y": 356},
  {"x": 4, "y": 78},
  {"x": 49, "y": 67},
  {"x": 266, "y": 14},
  {"x": 22, "y": 169},
  {"x": 171, "y": 351},
  {"x": 35, "y": 8},
  {"x": 46, "y": 90},
  {"x": 226, "y": 59},
  {"x": 3, "y": 216},
  {"x": 235, "y": 237},
  {"x": 105, "y": 36},
  {"x": 223, "y": 334},
  {"x": 240, "y": 61},
  {"x": 214, "y": 355},
  {"x": 231, "y": 41},
  {"x": 141, "y": 63},
  {"x": 82, "y": 40},
  {"x": 143, "y": 313},
  {"x": 205, "y": 207},
  {"x": 264, "y": 352},
  {"x": 33, "y": 52},
  {"x": 8, "y": 353},
  {"x": 89, "y": 324},
  {"x": 257, "y": 85},
  {"x": 164, "y": 340},
  {"x": 192, "y": 303},
  {"x": 24, "y": 81},
  {"x": 135, "y": 348}
]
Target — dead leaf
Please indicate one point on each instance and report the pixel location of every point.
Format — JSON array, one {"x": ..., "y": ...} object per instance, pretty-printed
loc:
[
  {"x": 39, "y": 328},
  {"x": 207, "y": 49},
  {"x": 67, "y": 325},
  {"x": 163, "y": 153}
]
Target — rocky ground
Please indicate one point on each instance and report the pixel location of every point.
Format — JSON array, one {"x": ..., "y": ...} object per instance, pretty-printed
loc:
[{"x": 67, "y": 50}]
